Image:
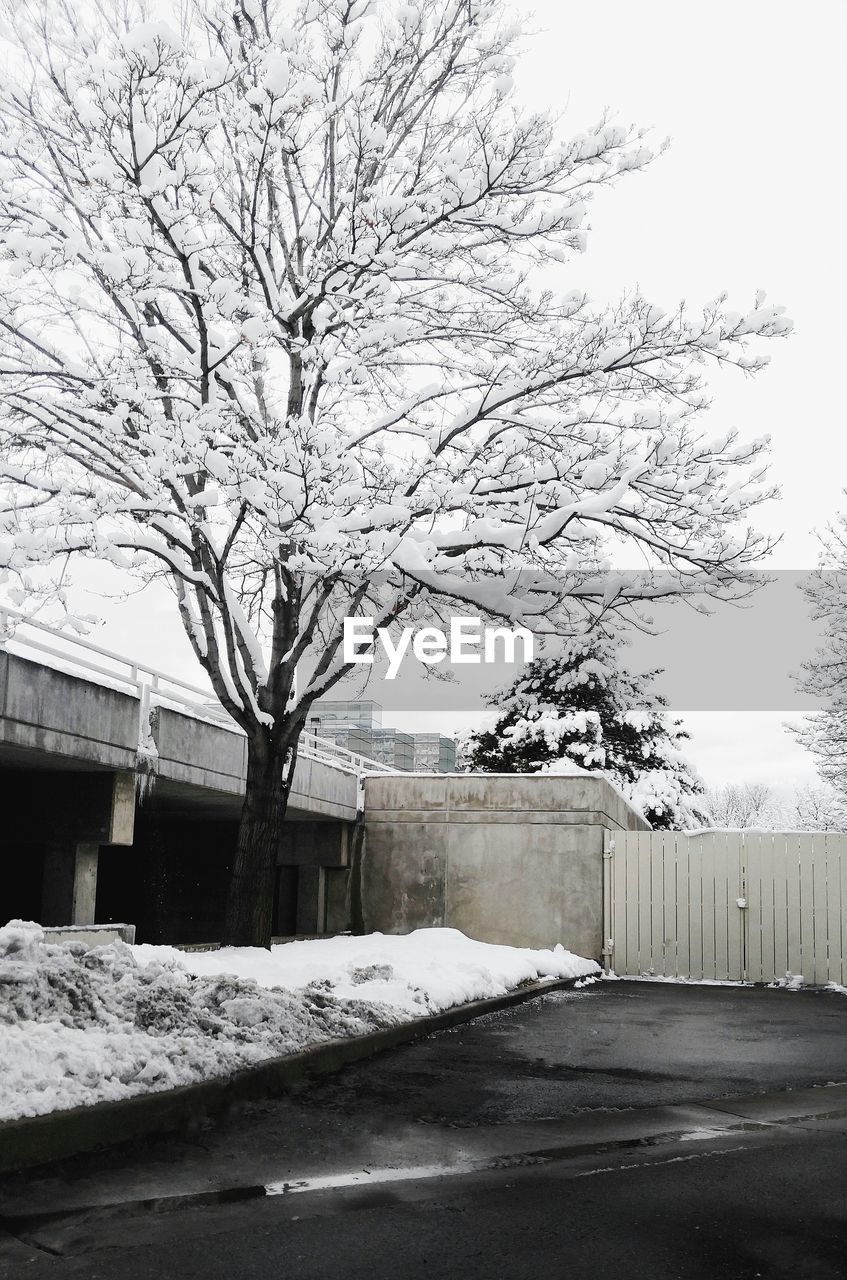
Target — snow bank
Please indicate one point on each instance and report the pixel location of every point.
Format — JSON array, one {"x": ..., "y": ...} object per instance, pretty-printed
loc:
[{"x": 80, "y": 1025}]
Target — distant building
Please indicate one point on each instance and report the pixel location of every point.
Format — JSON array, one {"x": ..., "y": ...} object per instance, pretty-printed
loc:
[
  {"x": 357, "y": 726},
  {"x": 394, "y": 748},
  {"x": 345, "y": 715},
  {"x": 351, "y": 738},
  {"x": 434, "y": 753}
]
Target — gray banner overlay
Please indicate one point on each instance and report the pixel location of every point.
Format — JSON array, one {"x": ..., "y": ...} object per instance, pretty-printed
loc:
[{"x": 740, "y": 656}]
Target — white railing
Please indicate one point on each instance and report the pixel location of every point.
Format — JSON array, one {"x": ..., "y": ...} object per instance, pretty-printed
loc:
[
  {"x": 151, "y": 686},
  {"x": 328, "y": 752}
]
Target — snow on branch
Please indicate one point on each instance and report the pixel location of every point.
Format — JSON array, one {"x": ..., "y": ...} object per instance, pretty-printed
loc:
[{"x": 271, "y": 321}]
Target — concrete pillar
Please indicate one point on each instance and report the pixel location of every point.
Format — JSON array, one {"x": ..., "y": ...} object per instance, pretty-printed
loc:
[
  {"x": 69, "y": 889},
  {"x": 85, "y": 883},
  {"x": 122, "y": 815}
]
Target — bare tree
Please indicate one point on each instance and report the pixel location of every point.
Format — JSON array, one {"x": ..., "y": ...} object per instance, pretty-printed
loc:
[
  {"x": 824, "y": 675},
  {"x": 739, "y": 805},
  {"x": 285, "y": 311},
  {"x": 817, "y": 808}
]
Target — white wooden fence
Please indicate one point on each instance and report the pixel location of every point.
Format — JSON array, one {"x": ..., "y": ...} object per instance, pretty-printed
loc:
[{"x": 727, "y": 904}]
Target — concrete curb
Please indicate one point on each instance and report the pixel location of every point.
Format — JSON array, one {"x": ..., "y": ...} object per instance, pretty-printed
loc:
[{"x": 39, "y": 1140}]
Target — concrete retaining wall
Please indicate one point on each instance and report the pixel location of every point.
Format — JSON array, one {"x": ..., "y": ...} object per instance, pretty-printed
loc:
[
  {"x": 197, "y": 754},
  {"x": 51, "y": 712},
  {"x": 95, "y": 935},
  {"x": 50, "y": 717},
  {"x": 510, "y": 858}
]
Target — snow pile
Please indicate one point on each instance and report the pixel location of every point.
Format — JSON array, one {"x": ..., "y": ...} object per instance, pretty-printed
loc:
[
  {"x": 80, "y": 1025},
  {"x": 413, "y": 974},
  {"x": 567, "y": 768},
  {"x": 791, "y": 982}
]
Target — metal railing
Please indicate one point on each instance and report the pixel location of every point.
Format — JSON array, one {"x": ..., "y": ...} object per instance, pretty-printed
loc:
[
  {"x": 154, "y": 687},
  {"x": 325, "y": 750}
]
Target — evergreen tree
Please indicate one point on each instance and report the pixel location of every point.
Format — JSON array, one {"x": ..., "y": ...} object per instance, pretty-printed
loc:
[{"x": 584, "y": 709}]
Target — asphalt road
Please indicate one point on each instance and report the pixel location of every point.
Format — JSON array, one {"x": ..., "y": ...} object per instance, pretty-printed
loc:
[{"x": 629, "y": 1129}]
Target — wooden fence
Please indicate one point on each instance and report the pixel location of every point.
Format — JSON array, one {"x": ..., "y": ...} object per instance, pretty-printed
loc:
[{"x": 727, "y": 905}]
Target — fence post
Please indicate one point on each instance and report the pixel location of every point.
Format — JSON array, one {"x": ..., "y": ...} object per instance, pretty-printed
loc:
[
  {"x": 743, "y": 896},
  {"x": 608, "y": 871}
]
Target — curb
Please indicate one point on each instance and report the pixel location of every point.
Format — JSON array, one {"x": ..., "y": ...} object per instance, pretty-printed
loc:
[{"x": 36, "y": 1140}]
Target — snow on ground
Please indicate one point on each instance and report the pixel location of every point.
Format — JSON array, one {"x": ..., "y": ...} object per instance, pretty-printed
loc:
[
  {"x": 791, "y": 981},
  {"x": 83, "y": 1025},
  {"x": 611, "y": 976}
]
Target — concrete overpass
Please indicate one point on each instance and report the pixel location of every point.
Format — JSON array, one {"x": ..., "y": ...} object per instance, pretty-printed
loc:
[
  {"x": 520, "y": 859},
  {"x": 76, "y": 736}
]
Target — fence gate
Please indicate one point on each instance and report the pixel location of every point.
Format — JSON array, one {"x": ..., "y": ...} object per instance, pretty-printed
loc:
[{"x": 727, "y": 904}]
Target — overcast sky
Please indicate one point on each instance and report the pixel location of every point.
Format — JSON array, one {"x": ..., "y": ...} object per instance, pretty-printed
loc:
[{"x": 750, "y": 195}]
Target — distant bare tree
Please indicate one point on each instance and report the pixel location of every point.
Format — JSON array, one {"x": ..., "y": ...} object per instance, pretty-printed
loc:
[
  {"x": 818, "y": 808},
  {"x": 824, "y": 674},
  {"x": 743, "y": 805}
]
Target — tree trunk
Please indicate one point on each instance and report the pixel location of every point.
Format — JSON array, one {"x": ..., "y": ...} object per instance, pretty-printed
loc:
[
  {"x": 354, "y": 881},
  {"x": 249, "y": 908}
]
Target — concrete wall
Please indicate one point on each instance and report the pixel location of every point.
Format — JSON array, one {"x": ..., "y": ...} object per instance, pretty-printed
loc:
[
  {"x": 510, "y": 858},
  {"x": 48, "y": 711},
  {"x": 96, "y": 935},
  {"x": 196, "y": 754}
]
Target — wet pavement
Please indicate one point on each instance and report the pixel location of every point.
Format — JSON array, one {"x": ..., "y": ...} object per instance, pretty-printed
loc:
[{"x": 662, "y": 1130}]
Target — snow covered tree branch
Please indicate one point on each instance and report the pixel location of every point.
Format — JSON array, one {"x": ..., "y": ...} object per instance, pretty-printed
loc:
[
  {"x": 284, "y": 314},
  {"x": 738, "y": 806},
  {"x": 824, "y": 674}
]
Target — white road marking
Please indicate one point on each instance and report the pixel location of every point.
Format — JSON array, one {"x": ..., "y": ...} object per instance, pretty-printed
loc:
[
  {"x": 648, "y": 1164},
  {"x": 371, "y": 1177}
]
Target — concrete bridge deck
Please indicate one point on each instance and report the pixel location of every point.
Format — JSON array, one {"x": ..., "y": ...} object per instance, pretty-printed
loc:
[{"x": 54, "y": 720}]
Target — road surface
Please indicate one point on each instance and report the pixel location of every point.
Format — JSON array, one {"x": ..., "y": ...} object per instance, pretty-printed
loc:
[{"x": 631, "y": 1129}]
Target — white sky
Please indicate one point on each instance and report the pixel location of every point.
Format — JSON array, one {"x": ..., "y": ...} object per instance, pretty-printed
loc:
[{"x": 750, "y": 195}]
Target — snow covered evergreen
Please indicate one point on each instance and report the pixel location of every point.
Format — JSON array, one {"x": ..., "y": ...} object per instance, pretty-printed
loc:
[{"x": 582, "y": 707}]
